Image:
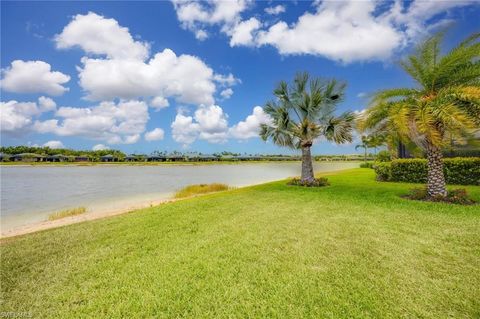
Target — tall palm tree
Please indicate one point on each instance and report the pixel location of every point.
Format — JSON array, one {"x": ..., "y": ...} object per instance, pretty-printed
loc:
[
  {"x": 304, "y": 112},
  {"x": 444, "y": 102},
  {"x": 366, "y": 142}
]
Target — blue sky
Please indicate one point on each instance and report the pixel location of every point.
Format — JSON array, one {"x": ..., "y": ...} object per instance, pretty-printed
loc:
[{"x": 100, "y": 74}]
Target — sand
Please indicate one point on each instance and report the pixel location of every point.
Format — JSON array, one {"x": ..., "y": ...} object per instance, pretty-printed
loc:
[{"x": 91, "y": 214}]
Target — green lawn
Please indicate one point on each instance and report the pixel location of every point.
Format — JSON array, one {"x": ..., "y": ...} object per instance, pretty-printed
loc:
[{"x": 354, "y": 249}]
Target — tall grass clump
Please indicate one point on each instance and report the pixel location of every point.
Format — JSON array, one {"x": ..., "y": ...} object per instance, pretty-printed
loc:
[
  {"x": 67, "y": 213},
  {"x": 192, "y": 190}
]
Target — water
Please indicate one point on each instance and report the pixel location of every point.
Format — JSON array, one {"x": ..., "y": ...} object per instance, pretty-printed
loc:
[{"x": 30, "y": 193}]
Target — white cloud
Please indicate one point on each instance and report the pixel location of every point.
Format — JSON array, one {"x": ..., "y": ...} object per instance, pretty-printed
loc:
[
  {"x": 33, "y": 77},
  {"x": 209, "y": 123},
  {"x": 227, "y": 93},
  {"x": 46, "y": 104},
  {"x": 344, "y": 31},
  {"x": 201, "y": 35},
  {"x": 100, "y": 147},
  {"x": 242, "y": 33},
  {"x": 184, "y": 130},
  {"x": 159, "y": 102},
  {"x": 98, "y": 35},
  {"x": 193, "y": 14},
  {"x": 126, "y": 70},
  {"x": 226, "y": 80},
  {"x": 109, "y": 122},
  {"x": 17, "y": 117},
  {"x": 251, "y": 126},
  {"x": 184, "y": 77},
  {"x": 275, "y": 10},
  {"x": 156, "y": 134},
  {"x": 54, "y": 144}
]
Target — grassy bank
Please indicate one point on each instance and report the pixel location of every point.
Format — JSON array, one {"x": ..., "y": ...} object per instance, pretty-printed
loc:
[{"x": 352, "y": 249}]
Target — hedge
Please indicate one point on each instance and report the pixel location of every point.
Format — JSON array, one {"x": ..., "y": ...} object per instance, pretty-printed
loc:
[{"x": 462, "y": 171}]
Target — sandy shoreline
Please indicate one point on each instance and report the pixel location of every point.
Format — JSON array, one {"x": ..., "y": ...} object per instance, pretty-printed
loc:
[{"x": 89, "y": 215}]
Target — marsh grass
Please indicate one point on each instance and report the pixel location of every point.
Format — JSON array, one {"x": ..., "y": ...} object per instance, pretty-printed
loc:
[
  {"x": 67, "y": 213},
  {"x": 198, "y": 189}
]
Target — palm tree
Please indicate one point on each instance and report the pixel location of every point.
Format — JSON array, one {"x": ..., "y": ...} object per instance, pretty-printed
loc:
[
  {"x": 444, "y": 103},
  {"x": 366, "y": 141},
  {"x": 304, "y": 112}
]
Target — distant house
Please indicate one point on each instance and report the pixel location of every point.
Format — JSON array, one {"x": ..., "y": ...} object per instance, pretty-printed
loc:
[
  {"x": 156, "y": 158},
  {"x": 202, "y": 158},
  {"x": 5, "y": 157},
  {"x": 135, "y": 158},
  {"x": 28, "y": 157},
  {"x": 175, "y": 158},
  {"x": 248, "y": 158},
  {"x": 59, "y": 158},
  {"x": 81, "y": 158},
  {"x": 108, "y": 158}
]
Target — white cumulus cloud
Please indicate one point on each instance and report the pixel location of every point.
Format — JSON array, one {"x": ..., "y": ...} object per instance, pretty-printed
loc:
[
  {"x": 98, "y": 35},
  {"x": 100, "y": 147},
  {"x": 33, "y": 77},
  {"x": 251, "y": 126},
  {"x": 227, "y": 93},
  {"x": 275, "y": 10},
  {"x": 208, "y": 123},
  {"x": 16, "y": 117},
  {"x": 156, "y": 134},
  {"x": 54, "y": 144},
  {"x": 120, "y": 123}
]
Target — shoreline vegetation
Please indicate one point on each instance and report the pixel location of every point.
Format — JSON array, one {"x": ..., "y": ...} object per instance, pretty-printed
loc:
[
  {"x": 271, "y": 242},
  {"x": 164, "y": 163}
]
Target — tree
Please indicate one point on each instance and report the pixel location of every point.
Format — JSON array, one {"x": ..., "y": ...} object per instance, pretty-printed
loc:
[
  {"x": 366, "y": 141},
  {"x": 444, "y": 103},
  {"x": 304, "y": 112}
]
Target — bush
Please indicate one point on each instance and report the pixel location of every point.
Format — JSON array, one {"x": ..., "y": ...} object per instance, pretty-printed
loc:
[
  {"x": 461, "y": 171},
  {"x": 455, "y": 196},
  {"x": 384, "y": 156},
  {"x": 383, "y": 171},
  {"x": 366, "y": 165},
  {"x": 317, "y": 182}
]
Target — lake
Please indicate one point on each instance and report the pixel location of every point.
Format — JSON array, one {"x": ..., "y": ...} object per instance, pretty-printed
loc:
[{"x": 30, "y": 193}]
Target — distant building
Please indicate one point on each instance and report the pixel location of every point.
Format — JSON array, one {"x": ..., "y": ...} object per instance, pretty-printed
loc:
[
  {"x": 156, "y": 158},
  {"x": 175, "y": 158},
  {"x": 5, "y": 157},
  {"x": 108, "y": 158},
  {"x": 81, "y": 158},
  {"x": 59, "y": 158},
  {"x": 28, "y": 157}
]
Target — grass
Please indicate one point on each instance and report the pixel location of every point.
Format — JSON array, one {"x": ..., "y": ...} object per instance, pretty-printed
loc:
[
  {"x": 198, "y": 189},
  {"x": 355, "y": 249},
  {"x": 67, "y": 213}
]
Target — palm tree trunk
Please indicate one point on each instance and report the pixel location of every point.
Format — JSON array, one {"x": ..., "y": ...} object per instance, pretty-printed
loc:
[
  {"x": 307, "y": 166},
  {"x": 365, "y": 155},
  {"x": 436, "y": 180}
]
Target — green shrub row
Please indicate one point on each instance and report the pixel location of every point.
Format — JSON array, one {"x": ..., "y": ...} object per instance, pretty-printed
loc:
[{"x": 459, "y": 170}]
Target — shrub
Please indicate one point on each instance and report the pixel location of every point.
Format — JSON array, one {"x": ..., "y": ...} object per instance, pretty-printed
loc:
[
  {"x": 461, "y": 171},
  {"x": 200, "y": 189},
  {"x": 455, "y": 196},
  {"x": 67, "y": 213},
  {"x": 317, "y": 182},
  {"x": 383, "y": 171},
  {"x": 412, "y": 170},
  {"x": 384, "y": 156},
  {"x": 366, "y": 165}
]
